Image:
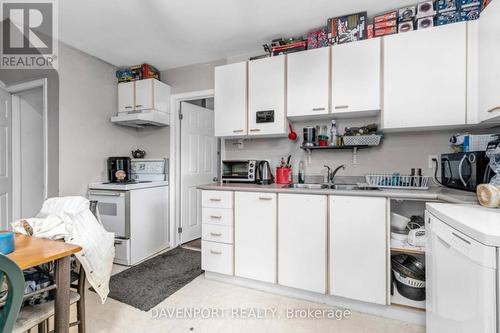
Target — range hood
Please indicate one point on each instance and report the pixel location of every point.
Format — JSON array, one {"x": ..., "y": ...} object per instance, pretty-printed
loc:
[{"x": 142, "y": 119}]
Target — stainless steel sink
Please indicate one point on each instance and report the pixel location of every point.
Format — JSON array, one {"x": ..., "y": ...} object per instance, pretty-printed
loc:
[
  {"x": 309, "y": 186},
  {"x": 343, "y": 187}
]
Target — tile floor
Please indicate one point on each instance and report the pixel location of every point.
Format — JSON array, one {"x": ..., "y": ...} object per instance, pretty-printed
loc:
[{"x": 201, "y": 293}]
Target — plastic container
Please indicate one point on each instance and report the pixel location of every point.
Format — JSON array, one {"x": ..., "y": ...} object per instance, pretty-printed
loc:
[
  {"x": 7, "y": 244},
  {"x": 283, "y": 176}
]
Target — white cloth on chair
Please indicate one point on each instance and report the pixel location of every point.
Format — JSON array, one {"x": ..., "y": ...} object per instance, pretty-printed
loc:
[{"x": 70, "y": 218}]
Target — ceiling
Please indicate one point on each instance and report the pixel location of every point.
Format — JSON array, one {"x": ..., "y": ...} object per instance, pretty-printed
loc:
[{"x": 176, "y": 33}]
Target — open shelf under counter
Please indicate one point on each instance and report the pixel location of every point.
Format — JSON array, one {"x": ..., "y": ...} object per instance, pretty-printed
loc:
[
  {"x": 404, "y": 247},
  {"x": 399, "y": 300}
]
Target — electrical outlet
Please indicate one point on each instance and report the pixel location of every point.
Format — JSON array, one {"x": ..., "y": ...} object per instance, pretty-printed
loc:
[{"x": 431, "y": 161}]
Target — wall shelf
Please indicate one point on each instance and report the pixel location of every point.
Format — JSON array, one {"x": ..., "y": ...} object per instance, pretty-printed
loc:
[{"x": 335, "y": 147}]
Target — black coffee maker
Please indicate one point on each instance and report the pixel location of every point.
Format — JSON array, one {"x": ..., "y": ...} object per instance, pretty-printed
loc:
[{"x": 119, "y": 169}]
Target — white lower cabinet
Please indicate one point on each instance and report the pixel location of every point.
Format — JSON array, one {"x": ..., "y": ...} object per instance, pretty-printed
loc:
[
  {"x": 302, "y": 226},
  {"x": 255, "y": 236},
  {"x": 359, "y": 248},
  {"x": 217, "y": 257}
]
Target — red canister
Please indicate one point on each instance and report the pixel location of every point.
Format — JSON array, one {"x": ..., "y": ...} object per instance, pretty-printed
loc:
[{"x": 283, "y": 175}]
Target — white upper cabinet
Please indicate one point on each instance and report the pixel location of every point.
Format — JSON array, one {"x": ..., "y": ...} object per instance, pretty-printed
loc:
[
  {"x": 231, "y": 100},
  {"x": 266, "y": 96},
  {"x": 126, "y": 91},
  {"x": 142, "y": 95},
  {"x": 362, "y": 234},
  {"x": 356, "y": 71},
  {"x": 489, "y": 63},
  {"x": 308, "y": 83},
  {"x": 425, "y": 78}
]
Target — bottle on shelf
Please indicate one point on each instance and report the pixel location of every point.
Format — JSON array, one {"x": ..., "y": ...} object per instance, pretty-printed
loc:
[
  {"x": 302, "y": 172},
  {"x": 333, "y": 134}
]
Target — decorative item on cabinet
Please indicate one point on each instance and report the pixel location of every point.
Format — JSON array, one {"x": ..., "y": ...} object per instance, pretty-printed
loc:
[
  {"x": 407, "y": 13},
  {"x": 348, "y": 28}
]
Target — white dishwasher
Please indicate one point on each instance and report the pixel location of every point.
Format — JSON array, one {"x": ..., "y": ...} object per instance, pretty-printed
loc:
[{"x": 461, "y": 277}]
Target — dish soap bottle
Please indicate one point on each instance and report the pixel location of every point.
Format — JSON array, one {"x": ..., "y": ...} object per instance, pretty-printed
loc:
[
  {"x": 302, "y": 173},
  {"x": 333, "y": 133}
]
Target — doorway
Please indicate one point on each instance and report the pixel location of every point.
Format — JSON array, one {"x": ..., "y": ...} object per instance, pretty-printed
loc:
[
  {"x": 199, "y": 155},
  {"x": 28, "y": 152}
]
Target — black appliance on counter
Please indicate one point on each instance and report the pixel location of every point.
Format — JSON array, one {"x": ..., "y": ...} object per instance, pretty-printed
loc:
[
  {"x": 239, "y": 171},
  {"x": 465, "y": 171},
  {"x": 119, "y": 169}
]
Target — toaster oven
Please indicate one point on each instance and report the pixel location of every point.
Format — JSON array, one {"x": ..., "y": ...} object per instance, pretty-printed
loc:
[{"x": 239, "y": 171}]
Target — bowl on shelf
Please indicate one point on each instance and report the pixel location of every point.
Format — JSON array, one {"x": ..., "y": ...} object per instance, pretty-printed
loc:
[{"x": 399, "y": 223}]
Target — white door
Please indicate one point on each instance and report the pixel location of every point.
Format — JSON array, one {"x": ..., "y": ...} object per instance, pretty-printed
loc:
[
  {"x": 266, "y": 96},
  {"x": 28, "y": 153},
  {"x": 360, "y": 234},
  {"x": 302, "y": 237},
  {"x": 255, "y": 236},
  {"x": 489, "y": 62},
  {"x": 5, "y": 160},
  {"x": 356, "y": 71},
  {"x": 144, "y": 94},
  {"x": 231, "y": 100},
  {"x": 308, "y": 83},
  {"x": 425, "y": 77},
  {"x": 198, "y": 165},
  {"x": 126, "y": 96}
]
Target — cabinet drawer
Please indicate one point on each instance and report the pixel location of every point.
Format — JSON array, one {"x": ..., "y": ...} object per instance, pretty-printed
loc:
[
  {"x": 217, "y": 257},
  {"x": 217, "y": 216},
  {"x": 217, "y": 233},
  {"x": 217, "y": 199},
  {"x": 122, "y": 251}
]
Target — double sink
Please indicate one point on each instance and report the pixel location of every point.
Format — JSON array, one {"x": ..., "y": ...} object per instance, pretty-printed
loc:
[{"x": 343, "y": 187}]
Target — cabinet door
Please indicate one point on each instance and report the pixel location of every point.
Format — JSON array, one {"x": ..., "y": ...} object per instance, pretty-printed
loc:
[
  {"x": 144, "y": 94},
  {"x": 489, "y": 62},
  {"x": 308, "y": 82},
  {"x": 302, "y": 223},
  {"x": 231, "y": 100},
  {"x": 356, "y": 71},
  {"x": 358, "y": 248},
  {"x": 266, "y": 96},
  {"x": 161, "y": 96},
  {"x": 126, "y": 97},
  {"x": 425, "y": 77},
  {"x": 255, "y": 236}
]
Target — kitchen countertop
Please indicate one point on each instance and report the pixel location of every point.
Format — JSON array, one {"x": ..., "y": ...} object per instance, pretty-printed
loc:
[
  {"x": 477, "y": 222},
  {"x": 126, "y": 187},
  {"x": 433, "y": 194}
]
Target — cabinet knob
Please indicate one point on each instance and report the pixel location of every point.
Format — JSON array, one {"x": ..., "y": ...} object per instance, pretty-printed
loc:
[
  {"x": 128, "y": 107},
  {"x": 341, "y": 107},
  {"x": 496, "y": 108},
  {"x": 238, "y": 131},
  {"x": 265, "y": 198},
  {"x": 318, "y": 109},
  {"x": 215, "y": 252},
  {"x": 138, "y": 105},
  {"x": 255, "y": 130},
  {"x": 215, "y": 217},
  {"x": 215, "y": 234},
  {"x": 214, "y": 199}
]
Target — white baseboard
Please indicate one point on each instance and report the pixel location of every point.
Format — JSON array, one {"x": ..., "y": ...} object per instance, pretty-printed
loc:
[{"x": 386, "y": 311}]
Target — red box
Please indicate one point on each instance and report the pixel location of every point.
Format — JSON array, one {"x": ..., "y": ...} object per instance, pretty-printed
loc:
[
  {"x": 386, "y": 17},
  {"x": 386, "y": 31},
  {"x": 283, "y": 176},
  {"x": 386, "y": 24},
  {"x": 369, "y": 31}
]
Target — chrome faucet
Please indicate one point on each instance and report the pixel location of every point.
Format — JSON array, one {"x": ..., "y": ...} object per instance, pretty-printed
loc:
[{"x": 331, "y": 174}]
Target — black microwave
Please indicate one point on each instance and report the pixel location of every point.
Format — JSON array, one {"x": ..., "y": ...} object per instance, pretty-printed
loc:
[{"x": 465, "y": 171}]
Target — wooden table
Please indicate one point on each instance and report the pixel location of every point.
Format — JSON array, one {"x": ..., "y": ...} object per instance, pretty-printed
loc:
[{"x": 34, "y": 251}]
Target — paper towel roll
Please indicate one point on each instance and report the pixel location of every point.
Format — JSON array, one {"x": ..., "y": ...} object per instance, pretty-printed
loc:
[{"x": 488, "y": 195}]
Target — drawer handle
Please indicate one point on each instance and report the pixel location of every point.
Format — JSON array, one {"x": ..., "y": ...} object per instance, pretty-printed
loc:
[
  {"x": 215, "y": 217},
  {"x": 215, "y": 234},
  {"x": 318, "y": 109},
  {"x": 138, "y": 105},
  {"x": 266, "y": 199},
  {"x": 496, "y": 108},
  {"x": 238, "y": 131},
  {"x": 341, "y": 107},
  {"x": 215, "y": 252},
  {"x": 214, "y": 199},
  {"x": 255, "y": 130},
  {"x": 128, "y": 107},
  {"x": 118, "y": 242}
]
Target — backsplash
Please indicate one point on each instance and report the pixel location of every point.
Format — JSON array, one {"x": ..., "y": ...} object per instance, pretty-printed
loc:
[{"x": 398, "y": 152}]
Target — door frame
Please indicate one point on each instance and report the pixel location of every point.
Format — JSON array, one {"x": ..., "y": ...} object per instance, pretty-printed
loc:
[
  {"x": 14, "y": 90},
  {"x": 175, "y": 159}
]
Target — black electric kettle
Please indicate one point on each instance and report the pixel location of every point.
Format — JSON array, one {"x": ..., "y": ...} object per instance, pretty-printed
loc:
[{"x": 264, "y": 175}]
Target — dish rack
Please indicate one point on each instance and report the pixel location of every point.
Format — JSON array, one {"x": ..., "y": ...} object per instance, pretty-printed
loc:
[
  {"x": 362, "y": 140},
  {"x": 397, "y": 181}
]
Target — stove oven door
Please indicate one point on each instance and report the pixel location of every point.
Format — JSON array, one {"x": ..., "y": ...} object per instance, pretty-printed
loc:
[{"x": 113, "y": 210}]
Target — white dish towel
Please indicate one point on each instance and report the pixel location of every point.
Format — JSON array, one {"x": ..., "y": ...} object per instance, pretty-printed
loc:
[{"x": 70, "y": 218}]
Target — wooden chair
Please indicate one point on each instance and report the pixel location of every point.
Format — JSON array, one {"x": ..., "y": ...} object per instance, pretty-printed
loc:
[{"x": 15, "y": 280}]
